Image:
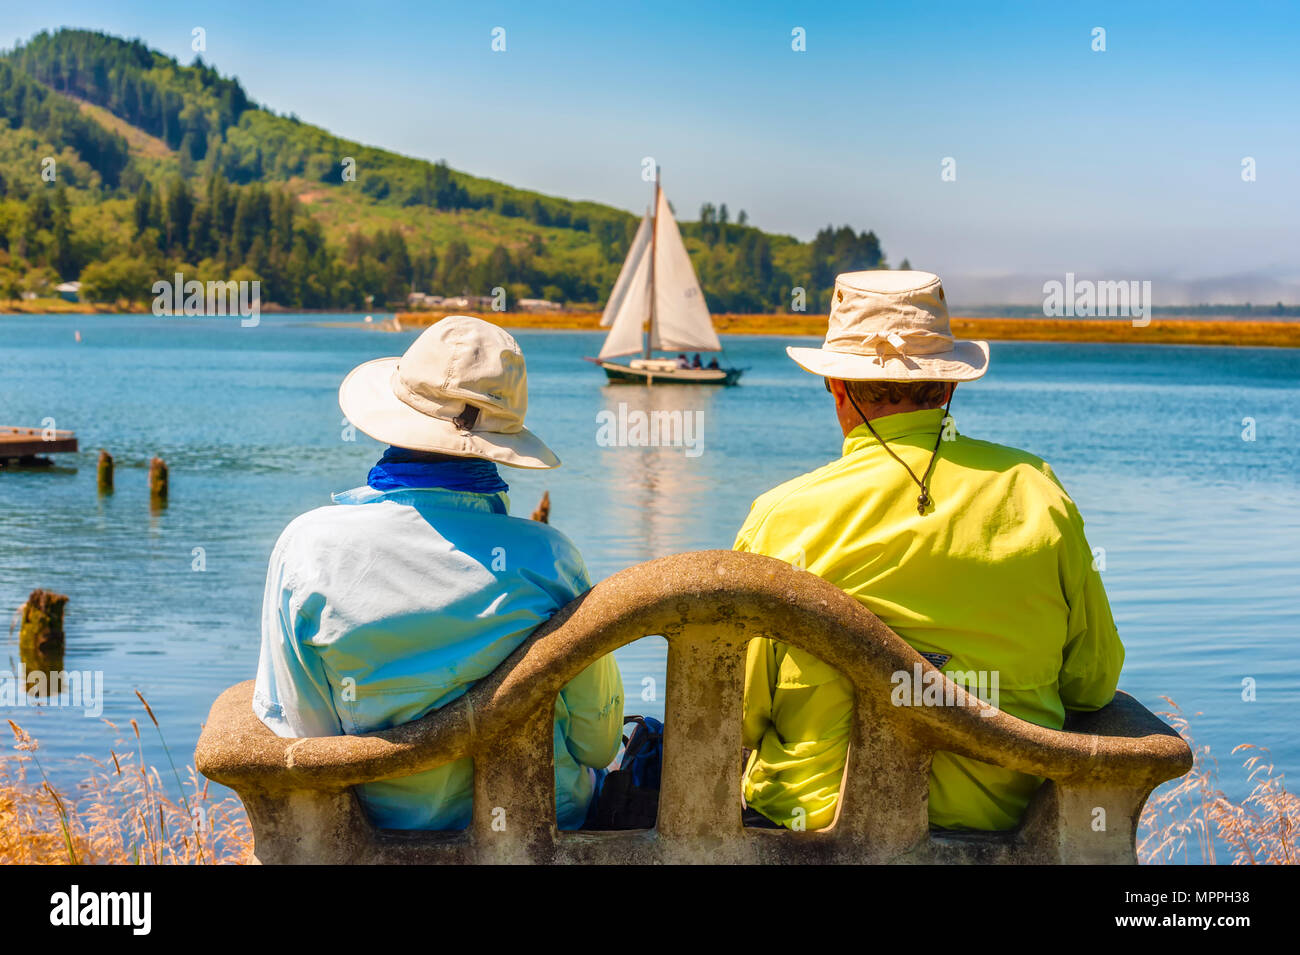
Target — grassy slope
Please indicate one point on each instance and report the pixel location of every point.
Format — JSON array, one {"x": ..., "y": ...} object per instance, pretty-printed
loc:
[
  {"x": 342, "y": 208},
  {"x": 141, "y": 144}
]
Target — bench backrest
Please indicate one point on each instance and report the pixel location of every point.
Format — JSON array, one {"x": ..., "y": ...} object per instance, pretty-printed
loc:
[{"x": 708, "y": 605}]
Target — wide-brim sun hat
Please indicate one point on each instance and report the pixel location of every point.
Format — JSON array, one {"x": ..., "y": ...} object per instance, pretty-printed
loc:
[
  {"x": 460, "y": 389},
  {"x": 888, "y": 325}
]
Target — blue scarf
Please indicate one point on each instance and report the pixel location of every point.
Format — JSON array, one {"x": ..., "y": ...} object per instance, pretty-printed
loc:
[{"x": 400, "y": 467}]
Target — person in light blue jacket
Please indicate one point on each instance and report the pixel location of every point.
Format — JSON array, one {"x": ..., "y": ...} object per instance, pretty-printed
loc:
[{"x": 394, "y": 600}]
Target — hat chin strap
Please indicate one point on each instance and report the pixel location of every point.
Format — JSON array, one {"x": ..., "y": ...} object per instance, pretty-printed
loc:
[
  {"x": 923, "y": 500},
  {"x": 466, "y": 420}
]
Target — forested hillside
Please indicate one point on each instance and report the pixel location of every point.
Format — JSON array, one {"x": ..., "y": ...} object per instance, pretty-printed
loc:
[{"x": 119, "y": 165}]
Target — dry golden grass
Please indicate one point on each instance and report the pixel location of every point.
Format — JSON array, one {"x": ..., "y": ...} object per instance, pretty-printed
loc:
[
  {"x": 549, "y": 321},
  {"x": 53, "y": 306},
  {"x": 1189, "y": 820},
  {"x": 1161, "y": 331},
  {"x": 120, "y": 815},
  {"x": 138, "y": 141}
]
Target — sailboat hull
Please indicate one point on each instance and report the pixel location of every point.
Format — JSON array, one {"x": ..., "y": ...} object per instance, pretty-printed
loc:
[{"x": 625, "y": 375}]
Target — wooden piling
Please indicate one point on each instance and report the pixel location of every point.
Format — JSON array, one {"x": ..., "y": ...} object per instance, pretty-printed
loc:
[
  {"x": 104, "y": 473},
  {"x": 40, "y": 635},
  {"x": 157, "y": 480}
]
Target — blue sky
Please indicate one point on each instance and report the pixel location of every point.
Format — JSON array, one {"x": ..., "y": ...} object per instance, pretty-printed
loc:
[{"x": 1123, "y": 163}]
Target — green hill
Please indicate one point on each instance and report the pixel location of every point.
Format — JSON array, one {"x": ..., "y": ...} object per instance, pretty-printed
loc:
[{"x": 119, "y": 165}]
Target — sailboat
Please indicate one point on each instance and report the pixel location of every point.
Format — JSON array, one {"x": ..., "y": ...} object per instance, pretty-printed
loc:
[{"x": 656, "y": 305}]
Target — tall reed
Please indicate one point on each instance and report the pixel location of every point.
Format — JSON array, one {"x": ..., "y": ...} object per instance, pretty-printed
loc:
[
  {"x": 1192, "y": 820},
  {"x": 121, "y": 814}
]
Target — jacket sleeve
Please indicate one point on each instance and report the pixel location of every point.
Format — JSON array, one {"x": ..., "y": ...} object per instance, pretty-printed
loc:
[
  {"x": 594, "y": 698},
  {"x": 292, "y": 695},
  {"x": 1093, "y": 654},
  {"x": 595, "y": 702},
  {"x": 760, "y": 685}
]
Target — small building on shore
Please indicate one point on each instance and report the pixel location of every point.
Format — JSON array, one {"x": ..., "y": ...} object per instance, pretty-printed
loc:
[
  {"x": 69, "y": 291},
  {"x": 478, "y": 302},
  {"x": 418, "y": 300},
  {"x": 538, "y": 305}
]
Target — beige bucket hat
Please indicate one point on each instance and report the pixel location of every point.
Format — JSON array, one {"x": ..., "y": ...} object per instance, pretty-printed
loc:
[
  {"x": 461, "y": 388},
  {"x": 890, "y": 325}
]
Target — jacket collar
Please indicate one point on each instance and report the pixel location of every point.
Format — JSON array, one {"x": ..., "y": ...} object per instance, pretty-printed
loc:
[
  {"x": 895, "y": 426},
  {"x": 497, "y": 503}
]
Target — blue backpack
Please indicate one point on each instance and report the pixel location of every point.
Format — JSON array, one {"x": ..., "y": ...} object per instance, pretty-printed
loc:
[
  {"x": 643, "y": 751},
  {"x": 628, "y": 797}
]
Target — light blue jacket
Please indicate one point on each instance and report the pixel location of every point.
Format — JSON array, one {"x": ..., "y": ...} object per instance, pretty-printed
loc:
[{"x": 387, "y": 605}]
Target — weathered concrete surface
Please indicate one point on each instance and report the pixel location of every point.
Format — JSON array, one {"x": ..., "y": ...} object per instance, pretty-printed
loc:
[{"x": 708, "y": 605}]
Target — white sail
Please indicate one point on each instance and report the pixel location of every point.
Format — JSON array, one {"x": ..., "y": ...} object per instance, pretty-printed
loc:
[
  {"x": 640, "y": 242},
  {"x": 628, "y": 315},
  {"x": 681, "y": 321}
]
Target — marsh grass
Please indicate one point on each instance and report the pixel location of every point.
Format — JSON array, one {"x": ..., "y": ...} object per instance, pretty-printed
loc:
[
  {"x": 1193, "y": 821},
  {"x": 120, "y": 815},
  {"x": 1161, "y": 331}
]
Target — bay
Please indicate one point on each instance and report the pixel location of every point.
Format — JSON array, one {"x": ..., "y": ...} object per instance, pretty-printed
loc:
[{"x": 1200, "y": 527}]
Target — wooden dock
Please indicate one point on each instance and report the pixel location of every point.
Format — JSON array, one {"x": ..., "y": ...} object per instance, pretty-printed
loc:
[{"x": 24, "y": 443}]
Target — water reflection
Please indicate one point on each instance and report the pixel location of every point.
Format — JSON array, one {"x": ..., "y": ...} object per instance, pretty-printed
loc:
[
  {"x": 655, "y": 452},
  {"x": 660, "y": 476}
]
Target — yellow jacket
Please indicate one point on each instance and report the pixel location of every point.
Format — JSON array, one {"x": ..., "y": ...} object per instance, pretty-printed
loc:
[{"x": 997, "y": 578}]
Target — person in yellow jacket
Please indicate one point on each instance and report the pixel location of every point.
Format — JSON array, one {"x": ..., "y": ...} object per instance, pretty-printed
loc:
[{"x": 972, "y": 552}]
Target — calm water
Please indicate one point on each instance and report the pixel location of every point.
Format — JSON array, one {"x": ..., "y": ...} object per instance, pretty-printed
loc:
[{"x": 1201, "y": 529}]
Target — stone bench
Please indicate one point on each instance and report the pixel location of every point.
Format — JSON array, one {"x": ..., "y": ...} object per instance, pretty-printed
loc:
[{"x": 708, "y": 605}]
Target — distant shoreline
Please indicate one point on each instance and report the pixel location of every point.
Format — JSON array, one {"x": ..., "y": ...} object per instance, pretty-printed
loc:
[{"x": 1161, "y": 330}]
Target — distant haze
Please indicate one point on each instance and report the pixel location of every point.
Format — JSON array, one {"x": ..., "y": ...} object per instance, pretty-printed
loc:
[{"x": 979, "y": 289}]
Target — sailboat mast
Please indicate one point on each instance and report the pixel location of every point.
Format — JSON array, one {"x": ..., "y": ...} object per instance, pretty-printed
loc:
[{"x": 654, "y": 242}]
